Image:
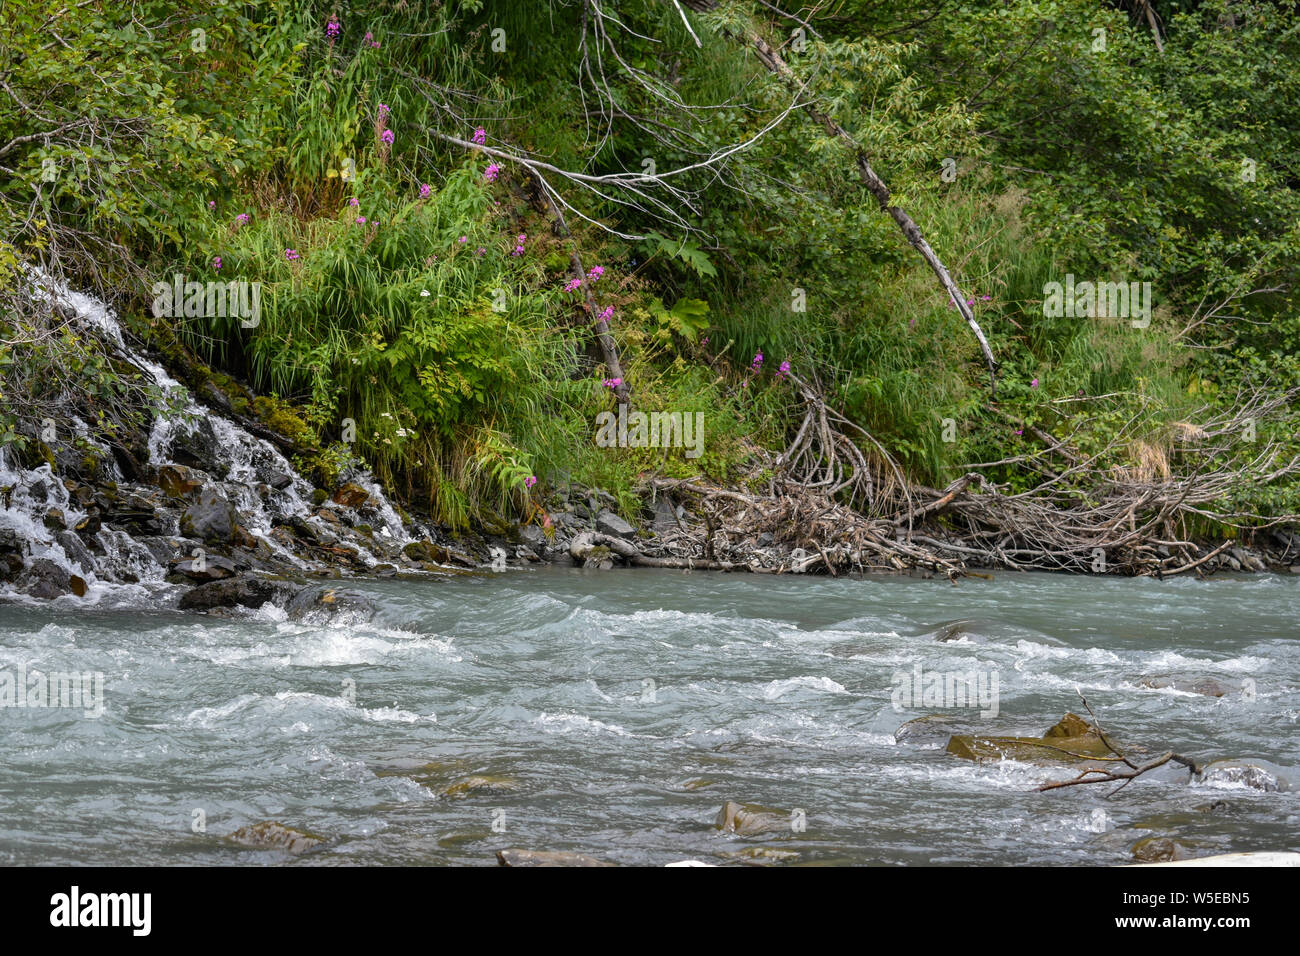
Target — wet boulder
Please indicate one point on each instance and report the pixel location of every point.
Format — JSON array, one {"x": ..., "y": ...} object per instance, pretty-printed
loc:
[
  {"x": 1253, "y": 773},
  {"x": 177, "y": 481},
  {"x": 426, "y": 550},
  {"x": 1071, "y": 740},
  {"x": 1160, "y": 850},
  {"x": 246, "y": 590},
  {"x": 351, "y": 495},
  {"x": 46, "y": 579},
  {"x": 211, "y": 517},
  {"x": 269, "y": 835},
  {"x": 745, "y": 819},
  {"x": 76, "y": 551},
  {"x": 324, "y": 603},
  {"x": 210, "y": 567}
]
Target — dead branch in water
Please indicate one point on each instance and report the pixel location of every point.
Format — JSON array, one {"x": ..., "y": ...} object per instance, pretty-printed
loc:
[{"x": 1135, "y": 770}]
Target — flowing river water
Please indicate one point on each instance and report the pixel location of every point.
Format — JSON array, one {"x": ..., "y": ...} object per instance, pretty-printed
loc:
[{"x": 614, "y": 713}]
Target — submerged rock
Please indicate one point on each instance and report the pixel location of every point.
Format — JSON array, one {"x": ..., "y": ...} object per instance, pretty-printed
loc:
[
  {"x": 480, "y": 783},
  {"x": 1160, "y": 850},
  {"x": 546, "y": 858},
  {"x": 324, "y": 602},
  {"x": 1071, "y": 740},
  {"x": 1207, "y": 686},
  {"x": 269, "y": 835},
  {"x": 932, "y": 729},
  {"x": 1256, "y": 774},
  {"x": 750, "y": 819}
]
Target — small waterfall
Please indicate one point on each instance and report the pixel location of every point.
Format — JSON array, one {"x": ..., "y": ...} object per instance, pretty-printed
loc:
[{"x": 263, "y": 487}]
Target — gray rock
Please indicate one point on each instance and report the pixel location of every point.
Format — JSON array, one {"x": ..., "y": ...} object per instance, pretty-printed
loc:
[
  {"x": 211, "y": 518},
  {"x": 243, "y": 591},
  {"x": 213, "y": 567},
  {"x": 665, "y": 516},
  {"x": 610, "y": 523},
  {"x": 76, "y": 551},
  {"x": 44, "y": 579}
]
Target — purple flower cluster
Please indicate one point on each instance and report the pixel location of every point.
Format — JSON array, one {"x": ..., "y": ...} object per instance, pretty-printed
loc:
[
  {"x": 519, "y": 244},
  {"x": 216, "y": 263},
  {"x": 480, "y": 136},
  {"x": 387, "y": 136},
  {"x": 572, "y": 285},
  {"x": 241, "y": 220},
  {"x": 332, "y": 28},
  {"x": 291, "y": 254},
  {"x": 425, "y": 190},
  {"x": 492, "y": 172},
  {"x": 612, "y": 382},
  {"x": 607, "y": 314},
  {"x": 530, "y": 481},
  {"x": 757, "y": 364},
  {"x": 370, "y": 40},
  {"x": 783, "y": 371},
  {"x": 595, "y": 273}
]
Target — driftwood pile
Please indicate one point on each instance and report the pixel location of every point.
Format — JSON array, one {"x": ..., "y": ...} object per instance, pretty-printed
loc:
[{"x": 838, "y": 502}]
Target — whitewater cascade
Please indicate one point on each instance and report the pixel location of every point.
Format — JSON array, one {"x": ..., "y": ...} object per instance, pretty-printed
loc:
[{"x": 38, "y": 514}]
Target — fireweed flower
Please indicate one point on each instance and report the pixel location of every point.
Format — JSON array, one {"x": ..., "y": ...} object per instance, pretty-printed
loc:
[
  {"x": 291, "y": 254},
  {"x": 757, "y": 364},
  {"x": 216, "y": 263},
  {"x": 530, "y": 481},
  {"x": 491, "y": 173},
  {"x": 595, "y": 273},
  {"x": 572, "y": 285},
  {"x": 383, "y": 107},
  {"x": 424, "y": 190},
  {"x": 463, "y": 239},
  {"x": 241, "y": 220},
  {"x": 361, "y": 220},
  {"x": 354, "y": 201},
  {"x": 784, "y": 370},
  {"x": 387, "y": 136},
  {"x": 1034, "y": 383},
  {"x": 480, "y": 136},
  {"x": 609, "y": 311},
  {"x": 480, "y": 251},
  {"x": 212, "y": 204},
  {"x": 333, "y": 27},
  {"x": 612, "y": 382}
]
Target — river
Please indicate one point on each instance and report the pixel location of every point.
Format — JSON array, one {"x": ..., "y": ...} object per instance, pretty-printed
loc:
[{"x": 614, "y": 713}]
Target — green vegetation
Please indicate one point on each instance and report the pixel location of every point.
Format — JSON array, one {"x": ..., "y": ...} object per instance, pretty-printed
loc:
[{"x": 1029, "y": 141}]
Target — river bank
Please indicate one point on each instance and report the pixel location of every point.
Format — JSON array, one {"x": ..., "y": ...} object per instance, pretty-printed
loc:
[{"x": 200, "y": 504}]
